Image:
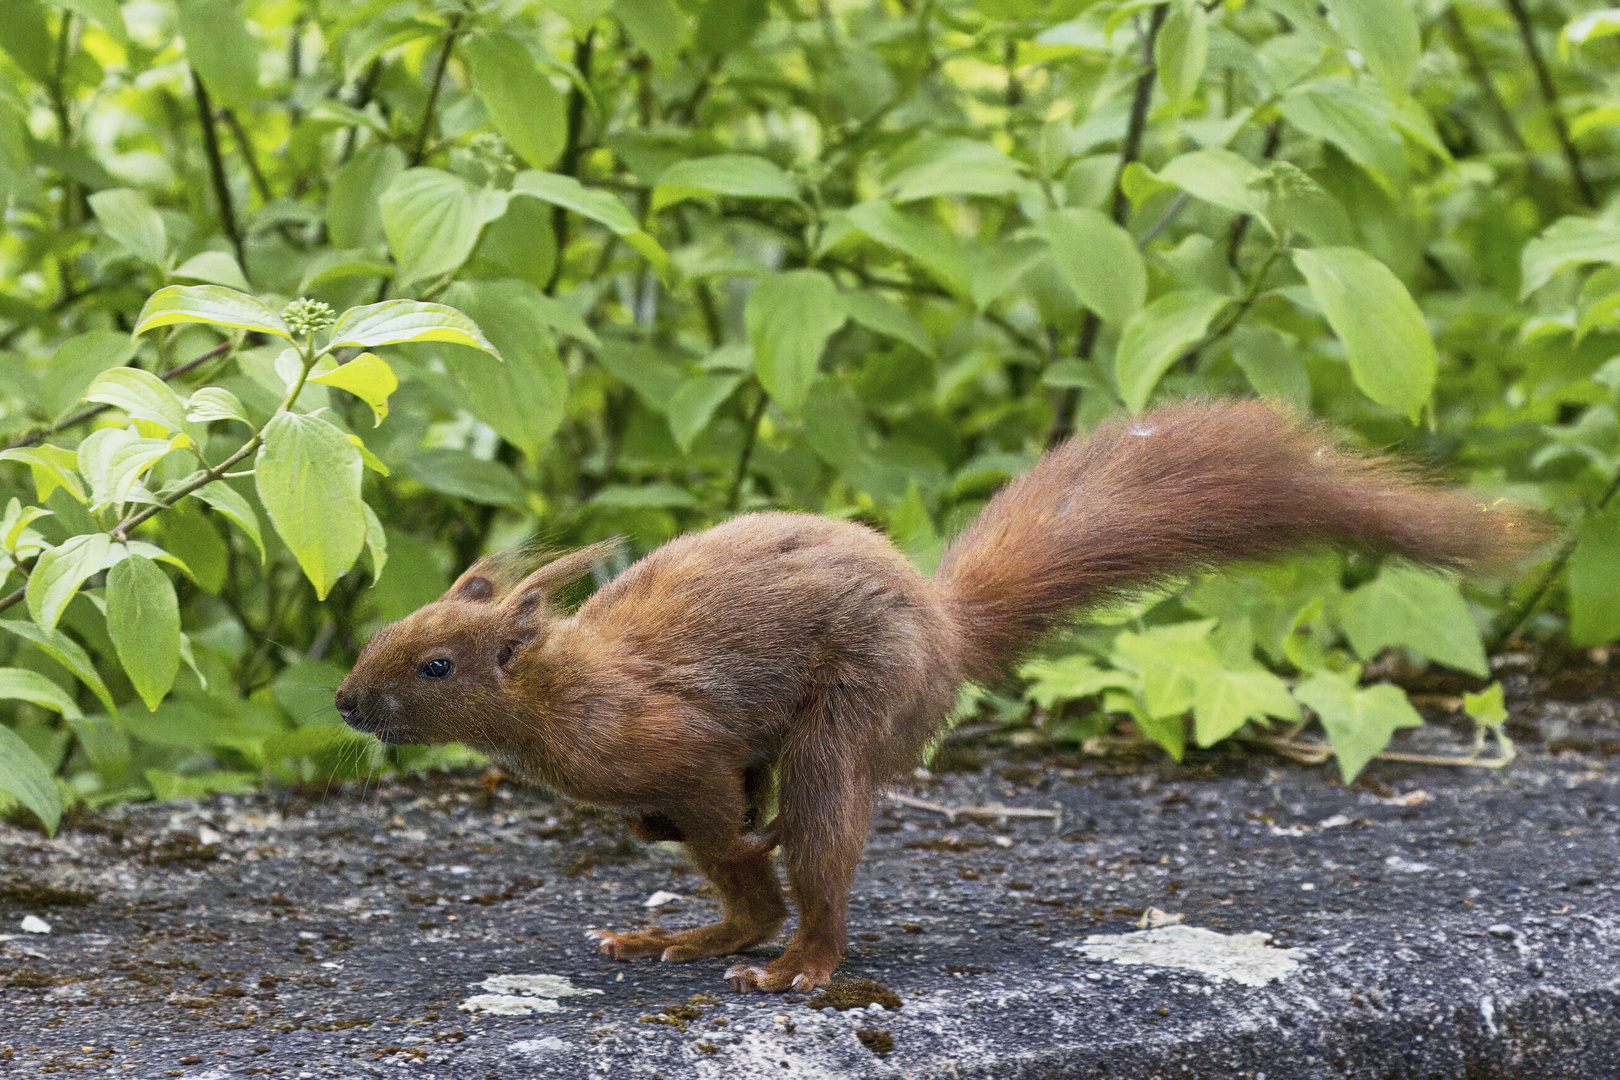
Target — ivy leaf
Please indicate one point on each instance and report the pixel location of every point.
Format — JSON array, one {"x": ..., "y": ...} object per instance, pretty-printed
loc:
[
  {"x": 143, "y": 620},
  {"x": 23, "y": 775},
  {"x": 1228, "y": 699},
  {"x": 1359, "y": 722},
  {"x": 212, "y": 304},
  {"x": 59, "y": 573},
  {"x": 1392, "y": 356},
  {"x": 1100, "y": 262},
  {"x": 1156, "y": 336},
  {"x": 127, "y": 217},
  {"x": 740, "y": 176},
  {"x": 523, "y": 104},
  {"x": 368, "y": 378},
  {"x": 308, "y": 477},
  {"x": 395, "y": 322},
  {"x": 1417, "y": 609},
  {"x": 790, "y": 316}
]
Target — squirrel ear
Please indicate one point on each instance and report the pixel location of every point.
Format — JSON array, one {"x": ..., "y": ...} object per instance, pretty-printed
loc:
[
  {"x": 471, "y": 586},
  {"x": 525, "y": 605}
]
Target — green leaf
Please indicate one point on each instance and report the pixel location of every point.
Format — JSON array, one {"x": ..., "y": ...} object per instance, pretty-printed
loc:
[
  {"x": 308, "y": 478},
  {"x": 143, "y": 620},
  {"x": 1228, "y": 699},
  {"x": 740, "y": 176},
  {"x": 141, "y": 394},
  {"x": 692, "y": 406},
  {"x": 1070, "y": 678},
  {"x": 1417, "y": 609},
  {"x": 1487, "y": 707},
  {"x": 460, "y": 475},
  {"x": 1594, "y": 580},
  {"x": 127, "y": 217},
  {"x": 660, "y": 494},
  {"x": 1392, "y": 356},
  {"x": 598, "y": 206},
  {"x": 952, "y": 166},
  {"x": 212, "y": 304},
  {"x": 210, "y": 403},
  {"x": 1356, "y": 119},
  {"x": 395, "y": 322},
  {"x": 215, "y": 268},
  {"x": 1385, "y": 33},
  {"x": 59, "y": 573},
  {"x": 228, "y": 502},
  {"x": 24, "y": 776},
  {"x": 1156, "y": 336},
  {"x": 76, "y": 362},
  {"x": 65, "y": 651},
  {"x": 790, "y": 316},
  {"x": 1100, "y": 262},
  {"x": 524, "y": 398},
  {"x": 881, "y": 315},
  {"x": 1181, "y": 49},
  {"x": 368, "y": 378},
  {"x": 353, "y": 210},
  {"x": 376, "y": 542},
  {"x": 1218, "y": 176},
  {"x": 932, "y": 246},
  {"x": 1569, "y": 241},
  {"x": 432, "y": 220},
  {"x": 1589, "y": 27},
  {"x": 220, "y": 49},
  {"x": 20, "y": 684},
  {"x": 115, "y": 459},
  {"x": 52, "y": 467},
  {"x": 1359, "y": 723},
  {"x": 524, "y": 106},
  {"x": 105, "y": 12}
]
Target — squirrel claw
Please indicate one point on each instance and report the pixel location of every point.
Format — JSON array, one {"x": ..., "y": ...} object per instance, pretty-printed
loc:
[{"x": 744, "y": 977}]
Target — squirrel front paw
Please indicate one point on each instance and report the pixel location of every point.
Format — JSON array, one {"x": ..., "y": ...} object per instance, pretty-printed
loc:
[{"x": 778, "y": 977}]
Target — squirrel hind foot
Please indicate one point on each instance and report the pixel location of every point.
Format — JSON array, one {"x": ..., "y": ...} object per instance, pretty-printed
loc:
[{"x": 784, "y": 974}]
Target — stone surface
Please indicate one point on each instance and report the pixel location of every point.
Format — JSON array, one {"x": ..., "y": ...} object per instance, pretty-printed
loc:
[{"x": 1442, "y": 922}]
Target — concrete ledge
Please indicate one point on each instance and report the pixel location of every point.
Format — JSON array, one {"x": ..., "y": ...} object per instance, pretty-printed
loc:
[{"x": 1460, "y": 923}]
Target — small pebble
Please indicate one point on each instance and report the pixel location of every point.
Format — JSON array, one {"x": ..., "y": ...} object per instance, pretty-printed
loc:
[{"x": 33, "y": 924}]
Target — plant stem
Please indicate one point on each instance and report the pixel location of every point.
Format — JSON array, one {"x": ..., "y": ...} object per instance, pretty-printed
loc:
[
  {"x": 1554, "y": 568},
  {"x": 451, "y": 31},
  {"x": 260, "y": 184},
  {"x": 568, "y": 163},
  {"x": 216, "y": 171},
  {"x": 750, "y": 437},
  {"x": 1549, "y": 92},
  {"x": 1119, "y": 208}
]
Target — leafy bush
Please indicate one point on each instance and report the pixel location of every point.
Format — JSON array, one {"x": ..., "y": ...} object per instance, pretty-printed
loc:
[{"x": 629, "y": 266}]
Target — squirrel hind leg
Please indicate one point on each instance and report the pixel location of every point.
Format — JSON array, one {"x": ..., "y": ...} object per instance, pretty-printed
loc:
[{"x": 826, "y": 810}]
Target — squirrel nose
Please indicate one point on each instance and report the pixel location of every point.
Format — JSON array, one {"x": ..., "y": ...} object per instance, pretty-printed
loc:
[{"x": 345, "y": 705}]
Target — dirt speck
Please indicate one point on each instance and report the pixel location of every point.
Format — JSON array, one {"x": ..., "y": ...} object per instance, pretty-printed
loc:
[{"x": 854, "y": 994}]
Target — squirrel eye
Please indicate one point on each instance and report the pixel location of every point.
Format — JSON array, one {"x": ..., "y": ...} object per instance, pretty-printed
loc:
[{"x": 436, "y": 669}]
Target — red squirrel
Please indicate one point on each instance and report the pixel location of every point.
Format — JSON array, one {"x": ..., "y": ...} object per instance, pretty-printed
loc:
[{"x": 788, "y": 658}]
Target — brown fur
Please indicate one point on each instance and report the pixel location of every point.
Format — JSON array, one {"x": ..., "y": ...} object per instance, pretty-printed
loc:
[{"x": 806, "y": 658}]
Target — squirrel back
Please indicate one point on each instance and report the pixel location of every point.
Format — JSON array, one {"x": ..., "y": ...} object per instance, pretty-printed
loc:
[{"x": 1184, "y": 488}]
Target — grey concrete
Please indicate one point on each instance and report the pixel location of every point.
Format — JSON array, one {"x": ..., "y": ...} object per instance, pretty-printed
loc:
[{"x": 1445, "y": 923}]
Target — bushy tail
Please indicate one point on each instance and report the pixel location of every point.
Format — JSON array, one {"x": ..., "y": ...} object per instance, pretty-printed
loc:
[{"x": 1184, "y": 488}]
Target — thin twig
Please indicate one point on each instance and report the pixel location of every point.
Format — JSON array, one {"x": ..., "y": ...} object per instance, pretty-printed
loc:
[
  {"x": 989, "y": 812},
  {"x": 1549, "y": 92},
  {"x": 34, "y": 438},
  {"x": 451, "y": 31},
  {"x": 750, "y": 437},
  {"x": 1119, "y": 209},
  {"x": 216, "y": 171},
  {"x": 1240, "y": 227},
  {"x": 1554, "y": 568},
  {"x": 568, "y": 163},
  {"x": 245, "y": 145},
  {"x": 1464, "y": 45}
]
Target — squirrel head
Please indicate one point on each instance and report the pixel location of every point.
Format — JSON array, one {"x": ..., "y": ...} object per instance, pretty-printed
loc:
[{"x": 435, "y": 675}]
